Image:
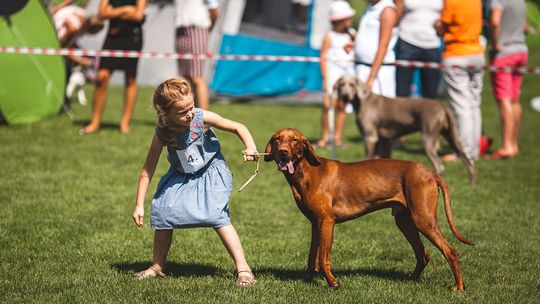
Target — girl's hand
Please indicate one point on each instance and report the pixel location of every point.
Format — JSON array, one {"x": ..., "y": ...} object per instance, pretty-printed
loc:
[
  {"x": 250, "y": 155},
  {"x": 138, "y": 215}
]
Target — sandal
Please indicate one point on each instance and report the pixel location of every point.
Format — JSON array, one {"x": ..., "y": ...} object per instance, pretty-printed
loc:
[
  {"x": 246, "y": 279},
  {"x": 151, "y": 272}
]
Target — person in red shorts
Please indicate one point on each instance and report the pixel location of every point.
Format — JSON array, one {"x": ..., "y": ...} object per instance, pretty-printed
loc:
[{"x": 508, "y": 49}]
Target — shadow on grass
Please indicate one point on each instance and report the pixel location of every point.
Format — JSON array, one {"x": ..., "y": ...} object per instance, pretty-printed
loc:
[
  {"x": 109, "y": 125},
  {"x": 174, "y": 270},
  {"x": 298, "y": 274}
]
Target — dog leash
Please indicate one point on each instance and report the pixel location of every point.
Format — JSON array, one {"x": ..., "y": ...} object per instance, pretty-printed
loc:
[{"x": 257, "y": 154}]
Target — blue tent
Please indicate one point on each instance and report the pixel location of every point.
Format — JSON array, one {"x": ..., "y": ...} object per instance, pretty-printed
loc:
[{"x": 270, "y": 27}]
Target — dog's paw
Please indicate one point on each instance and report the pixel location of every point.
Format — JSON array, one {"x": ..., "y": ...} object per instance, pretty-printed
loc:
[
  {"x": 458, "y": 287},
  {"x": 335, "y": 286}
]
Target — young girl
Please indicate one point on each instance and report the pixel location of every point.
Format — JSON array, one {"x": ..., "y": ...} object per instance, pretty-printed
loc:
[
  {"x": 336, "y": 59},
  {"x": 196, "y": 189}
]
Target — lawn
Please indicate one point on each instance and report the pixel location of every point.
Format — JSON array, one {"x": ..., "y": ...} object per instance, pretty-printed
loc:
[{"x": 66, "y": 233}]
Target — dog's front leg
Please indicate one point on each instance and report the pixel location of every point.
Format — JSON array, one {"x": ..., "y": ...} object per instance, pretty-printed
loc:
[
  {"x": 313, "y": 258},
  {"x": 325, "y": 252},
  {"x": 370, "y": 143}
]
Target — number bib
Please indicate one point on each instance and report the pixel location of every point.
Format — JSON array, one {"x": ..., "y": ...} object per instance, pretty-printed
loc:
[{"x": 190, "y": 159}]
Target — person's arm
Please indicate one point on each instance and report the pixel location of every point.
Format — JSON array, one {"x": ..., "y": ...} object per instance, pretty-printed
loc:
[
  {"x": 60, "y": 6},
  {"x": 135, "y": 13},
  {"x": 446, "y": 19},
  {"x": 322, "y": 59},
  {"x": 388, "y": 21},
  {"x": 215, "y": 120},
  {"x": 494, "y": 43},
  {"x": 213, "y": 11},
  {"x": 126, "y": 12},
  {"x": 144, "y": 179},
  {"x": 84, "y": 61}
]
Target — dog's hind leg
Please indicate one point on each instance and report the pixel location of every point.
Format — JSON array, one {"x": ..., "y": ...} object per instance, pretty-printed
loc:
[
  {"x": 431, "y": 144},
  {"x": 407, "y": 227},
  {"x": 422, "y": 200},
  {"x": 427, "y": 224}
]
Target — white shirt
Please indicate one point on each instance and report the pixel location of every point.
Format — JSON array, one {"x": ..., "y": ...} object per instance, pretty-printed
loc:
[
  {"x": 367, "y": 39},
  {"x": 416, "y": 25},
  {"x": 194, "y": 12},
  {"x": 70, "y": 14},
  {"x": 336, "y": 54}
]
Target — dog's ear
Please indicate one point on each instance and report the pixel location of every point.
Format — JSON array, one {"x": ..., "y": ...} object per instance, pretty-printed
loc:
[
  {"x": 361, "y": 89},
  {"x": 309, "y": 153},
  {"x": 268, "y": 149}
]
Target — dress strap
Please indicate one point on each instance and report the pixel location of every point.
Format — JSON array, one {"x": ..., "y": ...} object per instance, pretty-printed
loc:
[{"x": 196, "y": 128}]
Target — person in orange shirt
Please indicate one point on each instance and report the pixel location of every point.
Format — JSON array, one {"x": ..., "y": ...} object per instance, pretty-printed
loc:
[{"x": 460, "y": 25}]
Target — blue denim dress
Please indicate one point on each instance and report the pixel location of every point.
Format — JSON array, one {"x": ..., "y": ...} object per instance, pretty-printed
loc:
[{"x": 196, "y": 189}]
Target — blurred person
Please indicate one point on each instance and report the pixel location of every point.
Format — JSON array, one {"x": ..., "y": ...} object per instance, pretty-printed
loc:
[
  {"x": 336, "y": 60},
  {"x": 194, "y": 20},
  {"x": 460, "y": 25},
  {"x": 508, "y": 49},
  {"x": 71, "y": 22},
  {"x": 418, "y": 41},
  {"x": 124, "y": 33},
  {"x": 374, "y": 47}
]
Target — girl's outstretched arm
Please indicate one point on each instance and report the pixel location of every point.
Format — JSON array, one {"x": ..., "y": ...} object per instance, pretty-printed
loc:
[
  {"x": 144, "y": 179},
  {"x": 215, "y": 120}
]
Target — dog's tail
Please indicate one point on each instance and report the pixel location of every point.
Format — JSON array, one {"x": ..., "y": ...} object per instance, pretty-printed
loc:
[
  {"x": 451, "y": 136},
  {"x": 446, "y": 197}
]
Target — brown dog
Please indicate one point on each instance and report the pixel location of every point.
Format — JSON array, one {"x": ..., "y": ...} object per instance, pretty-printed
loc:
[
  {"x": 381, "y": 119},
  {"x": 329, "y": 192}
]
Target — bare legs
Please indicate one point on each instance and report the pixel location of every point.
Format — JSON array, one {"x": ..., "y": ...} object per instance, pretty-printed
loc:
[
  {"x": 231, "y": 241},
  {"x": 227, "y": 234},
  {"x": 341, "y": 116},
  {"x": 202, "y": 99},
  {"x": 100, "y": 97},
  {"x": 130, "y": 97},
  {"x": 324, "y": 122},
  {"x": 510, "y": 113}
]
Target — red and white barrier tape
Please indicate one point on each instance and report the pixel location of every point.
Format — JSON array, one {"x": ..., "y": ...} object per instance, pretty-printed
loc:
[{"x": 170, "y": 55}]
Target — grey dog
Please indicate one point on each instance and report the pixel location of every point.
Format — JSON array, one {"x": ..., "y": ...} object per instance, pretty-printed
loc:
[{"x": 381, "y": 119}]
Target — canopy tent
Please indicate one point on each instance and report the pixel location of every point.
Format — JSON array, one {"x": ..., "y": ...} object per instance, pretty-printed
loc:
[
  {"x": 270, "y": 27},
  {"x": 31, "y": 86}
]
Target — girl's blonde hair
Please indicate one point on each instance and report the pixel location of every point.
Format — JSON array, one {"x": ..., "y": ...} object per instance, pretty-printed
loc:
[{"x": 165, "y": 95}]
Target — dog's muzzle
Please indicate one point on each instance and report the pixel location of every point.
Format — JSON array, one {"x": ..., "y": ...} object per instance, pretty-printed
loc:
[{"x": 284, "y": 162}]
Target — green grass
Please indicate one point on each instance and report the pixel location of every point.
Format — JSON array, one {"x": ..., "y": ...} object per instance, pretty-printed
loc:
[{"x": 66, "y": 233}]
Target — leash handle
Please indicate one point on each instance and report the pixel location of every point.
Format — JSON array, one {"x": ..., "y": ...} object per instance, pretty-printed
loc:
[{"x": 257, "y": 155}]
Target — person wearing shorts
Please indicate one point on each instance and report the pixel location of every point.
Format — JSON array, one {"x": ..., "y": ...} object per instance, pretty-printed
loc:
[
  {"x": 508, "y": 49},
  {"x": 124, "y": 33},
  {"x": 193, "y": 21}
]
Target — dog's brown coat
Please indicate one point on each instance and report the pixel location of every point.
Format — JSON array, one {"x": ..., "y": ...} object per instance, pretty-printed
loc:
[{"x": 329, "y": 192}]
